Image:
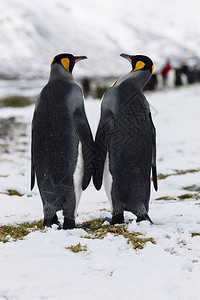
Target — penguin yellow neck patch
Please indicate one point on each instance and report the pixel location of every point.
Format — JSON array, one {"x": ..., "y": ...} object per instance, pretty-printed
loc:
[
  {"x": 139, "y": 65},
  {"x": 152, "y": 69},
  {"x": 65, "y": 63},
  {"x": 52, "y": 62},
  {"x": 115, "y": 82}
]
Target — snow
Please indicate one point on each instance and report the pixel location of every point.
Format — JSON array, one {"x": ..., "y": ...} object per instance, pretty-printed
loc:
[
  {"x": 40, "y": 266},
  {"x": 33, "y": 32}
]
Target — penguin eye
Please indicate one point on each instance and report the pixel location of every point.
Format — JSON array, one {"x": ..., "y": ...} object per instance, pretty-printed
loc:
[{"x": 65, "y": 63}]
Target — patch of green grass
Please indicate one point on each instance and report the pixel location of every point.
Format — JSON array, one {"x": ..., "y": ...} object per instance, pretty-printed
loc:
[
  {"x": 195, "y": 196},
  {"x": 95, "y": 225},
  {"x": 77, "y": 248},
  {"x": 166, "y": 198},
  {"x": 183, "y": 172},
  {"x": 168, "y": 237},
  {"x": 177, "y": 172},
  {"x": 100, "y": 231},
  {"x": 162, "y": 176},
  {"x": 192, "y": 188},
  {"x": 104, "y": 209},
  {"x": 193, "y": 234},
  {"x": 180, "y": 197},
  {"x": 15, "y": 101},
  {"x": 182, "y": 243},
  {"x": 19, "y": 231},
  {"x": 185, "y": 196},
  {"x": 14, "y": 193}
]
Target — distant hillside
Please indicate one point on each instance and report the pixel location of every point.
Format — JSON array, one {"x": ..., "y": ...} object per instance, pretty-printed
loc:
[{"x": 33, "y": 32}]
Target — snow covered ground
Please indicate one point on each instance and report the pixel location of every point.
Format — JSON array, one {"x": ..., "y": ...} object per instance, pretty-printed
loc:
[{"x": 40, "y": 266}]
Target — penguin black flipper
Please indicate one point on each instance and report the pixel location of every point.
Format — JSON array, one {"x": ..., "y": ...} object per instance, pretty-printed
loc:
[
  {"x": 154, "y": 170},
  {"x": 32, "y": 159},
  {"x": 104, "y": 132},
  {"x": 85, "y": 136}
]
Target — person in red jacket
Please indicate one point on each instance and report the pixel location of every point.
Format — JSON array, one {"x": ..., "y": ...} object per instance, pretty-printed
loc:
[{"x": 167, "y": 67}]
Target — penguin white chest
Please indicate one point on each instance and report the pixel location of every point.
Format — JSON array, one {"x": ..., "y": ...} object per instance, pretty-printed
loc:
[
  {"x": 78, "y": 176},
  {"x": 107, "y": 180}
]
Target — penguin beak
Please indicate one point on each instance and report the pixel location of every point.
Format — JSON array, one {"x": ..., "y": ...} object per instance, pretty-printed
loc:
[
  {"x": 127, "y": 56},
  {"x": 77, "y": 58}
]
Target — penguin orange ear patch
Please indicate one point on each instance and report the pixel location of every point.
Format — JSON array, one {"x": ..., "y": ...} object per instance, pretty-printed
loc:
[
  {"x": 152, "y": 69},
  {"x": 139, "y": 65},
  {"x": 65, "y": 63}
]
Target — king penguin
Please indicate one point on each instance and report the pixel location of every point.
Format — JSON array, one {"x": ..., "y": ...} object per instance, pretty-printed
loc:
[
  {"x": 62, "y": 143},
  {"x": 125, "y": 143}
]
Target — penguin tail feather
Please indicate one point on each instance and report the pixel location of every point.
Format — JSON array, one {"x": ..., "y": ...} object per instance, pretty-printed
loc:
[
  {"x": 32, "y": 182},
  {"x": 85, "y": 182},
  {"x": 32, "y": 175},
  {"x": 149, "y": 219},
  {"x": 97, "y": 180},
  {"x": 144, "y": 217}
]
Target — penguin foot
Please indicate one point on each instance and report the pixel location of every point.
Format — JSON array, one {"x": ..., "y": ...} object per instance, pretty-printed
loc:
[
  {"x": 144, "y": 218},
  {"x": 118, "y": 219},
  {"x": 46, "y": 223},
  {"x": 50, "y": 222},
  {"x": 55, "y": 220},
  {"x": 68, "y": 224}
]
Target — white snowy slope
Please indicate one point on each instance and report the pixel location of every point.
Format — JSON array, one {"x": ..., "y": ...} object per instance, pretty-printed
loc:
[
  {"x": 40, "y": 266},
  {"x": 33, "y": 32}
]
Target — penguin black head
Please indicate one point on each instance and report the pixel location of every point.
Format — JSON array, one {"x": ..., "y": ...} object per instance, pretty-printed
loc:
[
  {"x": 67, "y": 61},
  {"x": 139, "y": 62}
]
